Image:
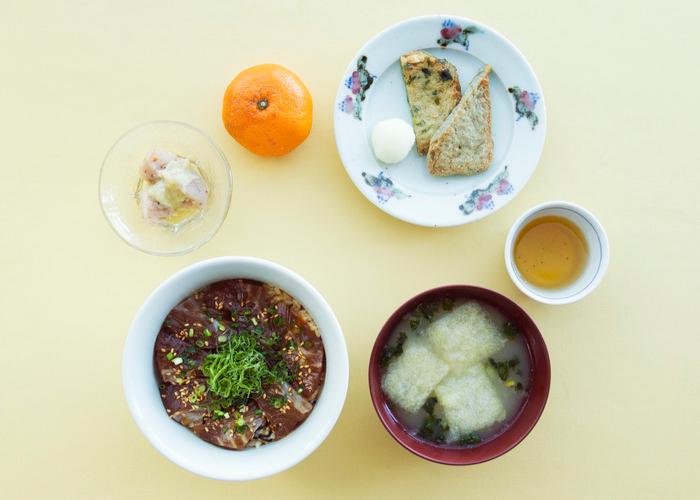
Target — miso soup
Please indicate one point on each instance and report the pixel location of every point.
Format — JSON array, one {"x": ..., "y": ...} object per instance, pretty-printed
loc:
[{"x": 456, "y": 372}]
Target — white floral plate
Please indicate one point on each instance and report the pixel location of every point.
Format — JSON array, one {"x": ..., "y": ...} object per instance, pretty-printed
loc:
[{"x": 372, "y": 90}]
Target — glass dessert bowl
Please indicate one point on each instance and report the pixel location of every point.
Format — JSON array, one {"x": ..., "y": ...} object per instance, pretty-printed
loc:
[{"x": 127, "y": 167}]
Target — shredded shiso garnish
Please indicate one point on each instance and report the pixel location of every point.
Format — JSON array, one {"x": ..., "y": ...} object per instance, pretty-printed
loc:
[{"x": 238, "y": 371}]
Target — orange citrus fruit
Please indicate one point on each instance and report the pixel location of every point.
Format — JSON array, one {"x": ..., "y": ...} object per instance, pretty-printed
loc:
[{"x": 267, "y": 109}]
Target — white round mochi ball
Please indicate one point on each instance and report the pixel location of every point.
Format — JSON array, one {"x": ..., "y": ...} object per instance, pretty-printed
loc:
[{"x": 392, "y": 139}]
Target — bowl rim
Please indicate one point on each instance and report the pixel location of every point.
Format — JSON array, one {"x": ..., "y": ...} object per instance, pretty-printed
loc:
[
  {"x": 229, "y": 190},
  {"x": 598, "y": 228},
  {"x": 287, "y": 452},
  {"x": 522, "y": 424}
]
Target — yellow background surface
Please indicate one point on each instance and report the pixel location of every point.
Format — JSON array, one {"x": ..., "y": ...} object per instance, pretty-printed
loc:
[{"x": 620, "y": 79}]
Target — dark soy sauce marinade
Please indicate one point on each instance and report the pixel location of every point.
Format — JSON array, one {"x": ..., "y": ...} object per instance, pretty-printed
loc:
[
  {"x": 509, "y": 369},
  {"x": 240, "y": 363}
]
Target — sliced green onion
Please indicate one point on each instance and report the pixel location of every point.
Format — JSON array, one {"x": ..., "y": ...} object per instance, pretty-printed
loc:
[
  {"x": 278, "y": 401},
  {"x": 206, "y": 332},
  {"x": 222, "y": 338},
  {"x": 177, "y": 361},
  {"x": 170, "y": 356}
]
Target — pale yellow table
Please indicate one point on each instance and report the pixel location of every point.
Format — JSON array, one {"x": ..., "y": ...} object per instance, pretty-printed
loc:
[{"x": 621, "y": 82}]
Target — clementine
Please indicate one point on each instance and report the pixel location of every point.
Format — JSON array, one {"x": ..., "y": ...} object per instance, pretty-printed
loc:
[{"x": 267, "y": 109}]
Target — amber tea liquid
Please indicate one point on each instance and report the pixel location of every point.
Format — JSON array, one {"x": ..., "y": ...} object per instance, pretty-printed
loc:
[{"x": 550, "y": 251}]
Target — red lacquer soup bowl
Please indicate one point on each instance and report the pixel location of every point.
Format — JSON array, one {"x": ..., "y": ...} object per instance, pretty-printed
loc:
[{"x": 519, "y": 424}]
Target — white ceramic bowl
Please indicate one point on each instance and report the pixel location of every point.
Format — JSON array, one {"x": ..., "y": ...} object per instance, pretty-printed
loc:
[
  {"x": 178, "y": 443},
  {"x": 598, "y": 253}
]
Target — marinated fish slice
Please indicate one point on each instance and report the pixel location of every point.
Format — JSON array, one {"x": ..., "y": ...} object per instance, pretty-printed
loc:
[
  {"x": 186, "y": 315},
  {"x": 433, "y": 90},
  {"x": 283, "y": 408},
  {"x": 313, "y": 370},
  {"x": 463, "y": 144},
  {"x": 234, "y": 431},
  {"x": 303, "y": 345},
  {"x": 175, "y": 357},
  {"x": 304, "y": 353},
  {"x": 181, "y": 401},
  {"x": 221, "y": 298}
]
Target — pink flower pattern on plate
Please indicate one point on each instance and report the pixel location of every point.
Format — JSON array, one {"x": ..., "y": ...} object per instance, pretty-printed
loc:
[
  {"x": 359, "y": 82},
  {"x": 504, "y": 187},
  {"x": 346, "y": 105},
  {"x": 452, "y": 32},
  {"x": 483, "y": 199},
  {"x": 525, "y": 103},
  {"x": 384, "y": 187}
]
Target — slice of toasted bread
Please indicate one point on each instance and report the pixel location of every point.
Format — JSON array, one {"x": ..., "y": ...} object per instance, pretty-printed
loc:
[
  {"x": 433, "y": 90},
  {"x": 463, "y": 144}
]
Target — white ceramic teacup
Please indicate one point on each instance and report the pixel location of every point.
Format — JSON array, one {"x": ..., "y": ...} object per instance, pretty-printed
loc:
[{"x": 598, "y": 253}]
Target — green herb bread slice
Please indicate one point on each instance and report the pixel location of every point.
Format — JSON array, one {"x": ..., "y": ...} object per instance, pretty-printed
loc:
[
  {"x": 463, "y": 144},
  {"x": 433, "y": 90}
]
